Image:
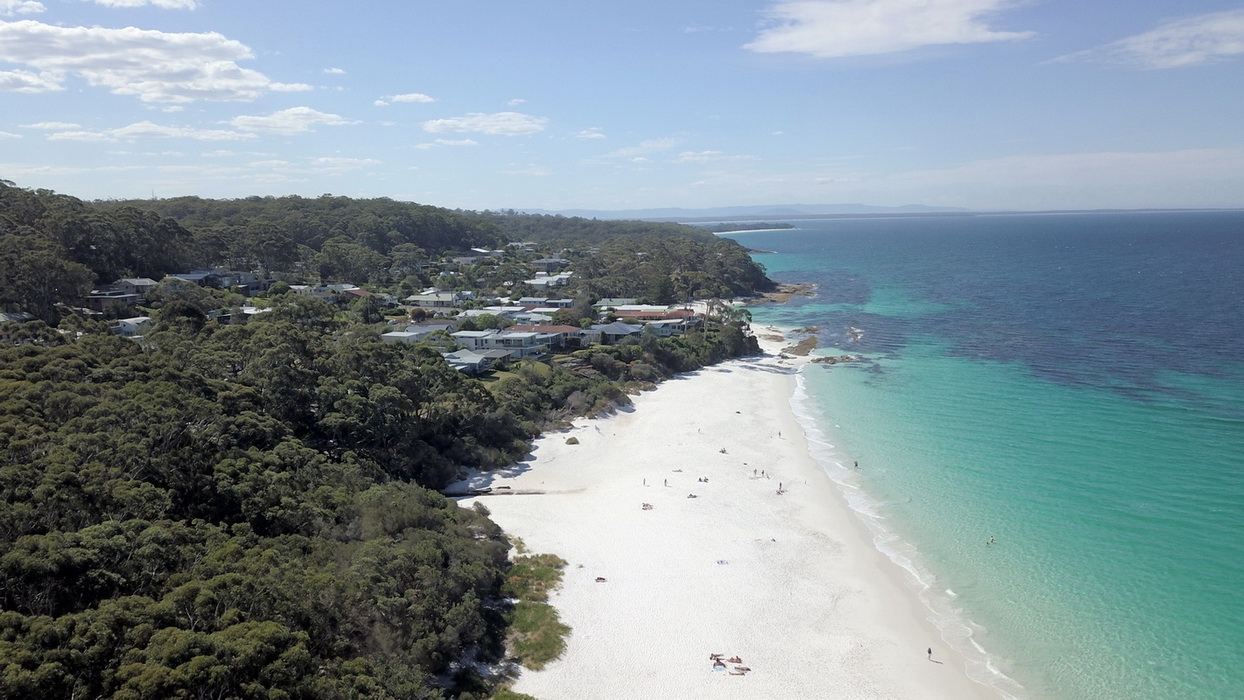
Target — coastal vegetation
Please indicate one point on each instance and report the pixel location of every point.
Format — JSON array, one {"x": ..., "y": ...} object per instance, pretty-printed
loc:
[
  {"x": 252, "y": 510},
  {"x": 537, "y": 635}
]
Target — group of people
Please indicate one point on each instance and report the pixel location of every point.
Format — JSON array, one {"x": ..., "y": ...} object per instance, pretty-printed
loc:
[{"x": 719, "y": 664}]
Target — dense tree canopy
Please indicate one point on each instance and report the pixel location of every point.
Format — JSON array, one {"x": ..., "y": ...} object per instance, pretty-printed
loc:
[{"x": 245, "y": 511}]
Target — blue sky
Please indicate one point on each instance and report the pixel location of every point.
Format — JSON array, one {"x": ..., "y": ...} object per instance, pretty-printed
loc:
[{"x": 557, "y": 104}]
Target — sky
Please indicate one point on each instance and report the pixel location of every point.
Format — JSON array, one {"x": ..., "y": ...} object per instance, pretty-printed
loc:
[{"x": 565, "y": 104}]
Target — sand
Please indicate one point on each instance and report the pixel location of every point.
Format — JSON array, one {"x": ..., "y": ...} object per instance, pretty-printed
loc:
[{"x": 789, "y": 583}]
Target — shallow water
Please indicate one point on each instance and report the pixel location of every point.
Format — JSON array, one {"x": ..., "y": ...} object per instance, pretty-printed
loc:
[{"x": 1069, "y": 385}]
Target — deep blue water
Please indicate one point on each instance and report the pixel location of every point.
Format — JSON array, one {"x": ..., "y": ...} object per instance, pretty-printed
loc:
[{"x": 1069, "y": 384}]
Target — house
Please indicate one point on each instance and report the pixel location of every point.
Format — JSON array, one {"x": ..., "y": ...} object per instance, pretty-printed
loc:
[
  {"x": 467, "y": 361},
  {"x": 203, "y": 278},
  {"x": 561, "y": 337},
  {"x": 17, "y": 317},
  {"x": 220, "y": 278},
  {"x": 517, "y": 344},
  {"x": 135, "y": 285},
  {"x": 326, "y": 292},
  {"x": 437, "y": 300},
  {"x": 414, "y": 333},
  {"x": 507, "y": 311},
  {"x": 492, "y": 357},
  {"x": 10, "y": 324},
  {"x": 606, "y": 304},
  {"x": 664, "y": 328},
  {"x": 531, "y": 317},
  {"x": 104, "y": 299},
  {"x": 549, "y": 264},
  {"x": 546, "y": 281},
  {"x": 614, "y": 332},
  {"x": 653, "y": 313},
  {"x": 132, "y": 327}
]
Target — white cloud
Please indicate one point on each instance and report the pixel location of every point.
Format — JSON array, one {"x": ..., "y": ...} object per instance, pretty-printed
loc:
[
  {"x": 52, "y": 126},
  {"x": 166, "y": 4},
  {"x": 499, "y": 123},
  {"x": 335, "y": 71},
  {"x": 446, "y": 142},
  {"x": 20, "y": 7},
  {"x": 296, "y": 120},
  {"x": 408, "y": 97},
  {"x": 7, "y": 135},
  {"x": 149, "y": 130},
  {"x": 591, "y": 133},
  {"x": 152, "y": 65},
  {"x": 644, "y": 147},
  {"x": 1184, "y": 42},
  {"x": 836, "y": 28},
  {"x": 515, "y": 102},
  {"x": 707, "y": 157},
  {"x": 27, "y": 82}
]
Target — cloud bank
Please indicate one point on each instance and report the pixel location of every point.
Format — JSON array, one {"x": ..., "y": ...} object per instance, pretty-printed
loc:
[{"x": 154, "y": 66}]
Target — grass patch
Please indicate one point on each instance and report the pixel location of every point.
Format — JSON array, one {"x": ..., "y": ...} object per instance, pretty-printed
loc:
[
  {"x": 537, "y": 634},
  {"x": 533, "y": 576},
  {"x": 511, "y": 695}
]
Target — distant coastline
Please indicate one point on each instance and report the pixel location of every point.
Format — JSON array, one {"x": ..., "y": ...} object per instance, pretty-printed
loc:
[{"x": 743, "y": 226}]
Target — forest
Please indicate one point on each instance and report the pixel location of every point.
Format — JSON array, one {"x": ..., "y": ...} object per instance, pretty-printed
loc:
[{"x": 246, "y": 511}]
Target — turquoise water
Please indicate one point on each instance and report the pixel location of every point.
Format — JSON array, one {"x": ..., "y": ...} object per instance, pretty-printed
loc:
[{"x": 1070, "y": 386}]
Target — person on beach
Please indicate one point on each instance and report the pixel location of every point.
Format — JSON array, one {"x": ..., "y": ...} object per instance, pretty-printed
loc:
[{"x": 930, "y": 653}]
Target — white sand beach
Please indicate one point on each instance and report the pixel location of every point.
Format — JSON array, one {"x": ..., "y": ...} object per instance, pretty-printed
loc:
[{"x": 788, "y": 583}]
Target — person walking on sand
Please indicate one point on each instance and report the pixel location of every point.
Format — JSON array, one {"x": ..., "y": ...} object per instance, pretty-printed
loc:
[{"x": 930, "y": 653}]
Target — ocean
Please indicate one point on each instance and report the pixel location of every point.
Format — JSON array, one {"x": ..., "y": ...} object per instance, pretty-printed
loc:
[{"x": 1047, "y": 411}]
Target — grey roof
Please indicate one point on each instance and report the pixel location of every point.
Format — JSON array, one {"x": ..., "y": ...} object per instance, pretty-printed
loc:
[{"x": 618, "y": 328}]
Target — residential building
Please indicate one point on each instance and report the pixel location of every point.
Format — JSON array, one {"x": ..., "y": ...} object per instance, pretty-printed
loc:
[
  {"x": 517, "y": 344},
  {"x": 437, "y": 299},
  {"x": 132, "y": 327},
  {"x": 561, "y": 337},
  {"x": 135, "y": 285},
  {"x": 613, "y": 332},
  {"x": 549, "y": 264}
]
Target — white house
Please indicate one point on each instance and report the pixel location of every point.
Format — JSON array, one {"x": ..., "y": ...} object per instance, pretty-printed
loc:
[
  {"x": 132, "y": 327},
  {"x": 437, "y": 300}
]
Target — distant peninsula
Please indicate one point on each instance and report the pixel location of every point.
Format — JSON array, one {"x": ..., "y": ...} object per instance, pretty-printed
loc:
[
  {"x": 728, "y": 227},
  {"x": 752, "y": 212}
]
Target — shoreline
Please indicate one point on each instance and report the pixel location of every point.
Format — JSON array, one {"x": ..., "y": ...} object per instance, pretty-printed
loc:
[{"x": 765, "y": 561}]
